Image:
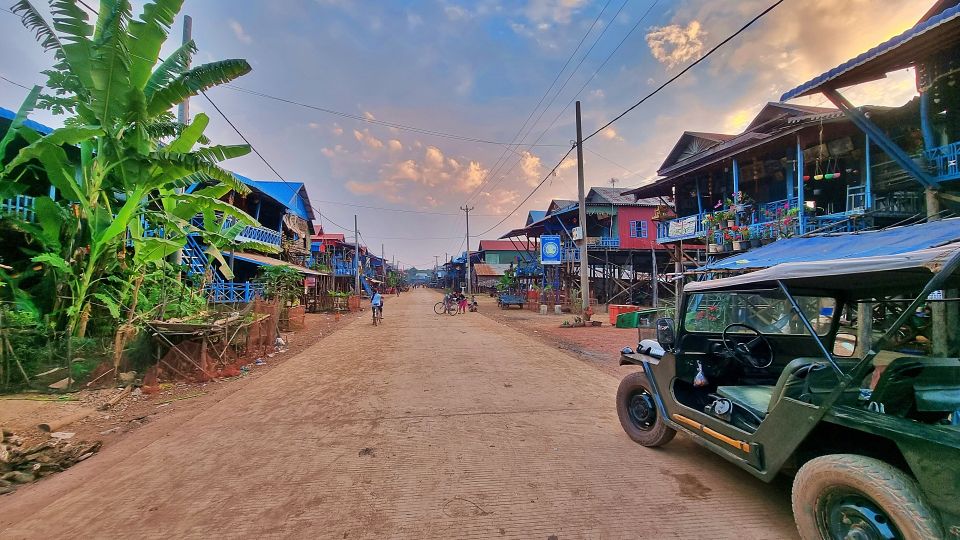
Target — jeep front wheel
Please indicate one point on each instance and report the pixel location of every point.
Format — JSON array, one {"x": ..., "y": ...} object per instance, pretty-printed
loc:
[
  {"x": 847, "y": 496},
  {"x": 637, "y": 409}
]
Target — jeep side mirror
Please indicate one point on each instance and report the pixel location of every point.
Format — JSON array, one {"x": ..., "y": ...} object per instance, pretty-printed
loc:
[
  {"x": 845, "y": 345},
  {"x": 665, "y": 333}
]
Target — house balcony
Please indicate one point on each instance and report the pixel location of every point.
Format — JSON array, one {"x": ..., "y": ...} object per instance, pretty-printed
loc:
[
  {"x": 341, "y": 267},
  {"x": 943, "y": 162},
  {"x": 225, "y": 292},
  {"x": 21, "y": 206},
  {"x": 256, "y": 234},
  {"x": 571, "y": 252}
]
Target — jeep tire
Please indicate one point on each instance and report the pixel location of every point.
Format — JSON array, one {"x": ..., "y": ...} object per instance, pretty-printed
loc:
[
  {"x": 871, "y": 496},
  {"x": 636, "y": 407}
]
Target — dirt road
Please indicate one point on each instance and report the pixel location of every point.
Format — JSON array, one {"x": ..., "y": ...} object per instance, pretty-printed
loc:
[{"x": 426, "y": 427}]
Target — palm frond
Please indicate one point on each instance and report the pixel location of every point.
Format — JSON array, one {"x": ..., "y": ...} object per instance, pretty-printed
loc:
[
  {"x": 194, "y": 81},
  {"x": 70, "y": 20},
  {"x": 147, "y": 35},
  {"x": 34, "y": 22},
  {"x": 169, "y": 69},
  {"x": 170, "y": 130},
  {"x": 222, "y": 152},
  {"x": 111, "y": 63}
]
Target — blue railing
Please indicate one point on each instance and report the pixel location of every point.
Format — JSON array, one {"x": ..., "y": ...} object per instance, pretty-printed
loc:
[
  {"x": 943, "y": 161},
  {"x": 256, "y": 234},
  {"x": 20, "y": 206},
  {"x": 683, "y": 228},
  {"x": 342, "y": 267},
  {"x": 528, "y": 269},
  {"x": 226, "y": 292}
]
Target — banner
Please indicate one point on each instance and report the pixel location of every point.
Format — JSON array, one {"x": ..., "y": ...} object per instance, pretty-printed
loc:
[{"x": 550, "y": 249}]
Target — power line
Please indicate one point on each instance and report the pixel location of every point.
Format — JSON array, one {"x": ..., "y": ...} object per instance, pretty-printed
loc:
[
  {"x": 688, "y": 68},
  {"x": 557, "y": 94},
  {"x": 539, "y": 102},
  {"x": 525, "y": 199},
  {"x": 15, "y": 83},
  {"x": 395, "y": 125}
]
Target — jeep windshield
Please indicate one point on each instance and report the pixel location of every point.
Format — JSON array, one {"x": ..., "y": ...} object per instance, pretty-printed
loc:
[{"x": 767, "y": 311}]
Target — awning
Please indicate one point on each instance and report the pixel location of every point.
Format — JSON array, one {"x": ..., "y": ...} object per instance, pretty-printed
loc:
[
  {"x": 938, "y": 33},
  {"x": 890, "y": 241},
  {"x": 262, "y": 260},
  {"x": 858, "y": 276}
]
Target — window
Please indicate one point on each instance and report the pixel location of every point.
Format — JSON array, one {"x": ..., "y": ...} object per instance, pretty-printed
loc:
[
  {"x": 767, "y": 311},
  {"x": 638, "y": 229}
]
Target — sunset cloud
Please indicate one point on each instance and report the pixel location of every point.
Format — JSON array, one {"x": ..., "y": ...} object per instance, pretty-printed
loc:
[{"x": 675, "y": 44}]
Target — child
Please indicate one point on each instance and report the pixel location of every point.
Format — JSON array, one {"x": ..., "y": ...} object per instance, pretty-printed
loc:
[{"x": 462, "y": 305}]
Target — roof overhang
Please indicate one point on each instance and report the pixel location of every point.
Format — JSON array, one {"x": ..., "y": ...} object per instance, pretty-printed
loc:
[
  {"x": 935, "y": 34},
  {"x": 262, "y": 260}
]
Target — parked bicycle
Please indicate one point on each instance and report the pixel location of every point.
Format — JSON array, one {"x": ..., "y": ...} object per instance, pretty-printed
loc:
[{"x": 448, "y": 305}]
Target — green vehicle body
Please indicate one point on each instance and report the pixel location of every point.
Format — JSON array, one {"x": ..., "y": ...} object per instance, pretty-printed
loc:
[{"x": 831, "y": 415}]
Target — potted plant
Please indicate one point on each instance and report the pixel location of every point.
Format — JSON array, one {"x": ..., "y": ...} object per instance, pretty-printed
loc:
[
  {"x": 741, "y": 240},
  {"x": 727, "y": 240}
]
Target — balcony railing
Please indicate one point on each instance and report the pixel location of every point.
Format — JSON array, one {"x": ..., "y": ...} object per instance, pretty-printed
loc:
[
  {"x": 20, "y": 206},
  {"x": 255, "y": 234},
  {"x": 943, "y": 161},
  {"x": 233, "y": 293}
]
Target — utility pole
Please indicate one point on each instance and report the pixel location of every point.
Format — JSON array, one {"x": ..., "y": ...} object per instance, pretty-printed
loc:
[
  {"x": 467, "y": 209},
  {"x": 584, "y": 258},
  {"x": 356, "y": 256},
  {"x": 183, "y": 115}
]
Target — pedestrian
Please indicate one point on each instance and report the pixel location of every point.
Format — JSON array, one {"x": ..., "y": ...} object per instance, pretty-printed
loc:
[{"x": 462, "y": 305}]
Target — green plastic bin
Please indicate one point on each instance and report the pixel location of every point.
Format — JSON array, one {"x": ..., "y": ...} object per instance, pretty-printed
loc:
[{"x": 628, "y": 320}]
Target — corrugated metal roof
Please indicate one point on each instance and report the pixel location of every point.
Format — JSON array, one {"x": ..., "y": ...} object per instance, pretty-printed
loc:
[
  {"x": 263, "y": 260},
  {"x": 490, "y": 270},
  {"x": 933, "y": 34},
  {"x": 292, "y": 195},
  {"x": 36, "y": 126},
  {"x": 502, "y": 245},
  {"x": 890, "y": 241}
]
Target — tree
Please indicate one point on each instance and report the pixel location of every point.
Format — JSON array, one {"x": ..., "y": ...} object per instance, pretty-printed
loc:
[{"x": 124, "y": 208}]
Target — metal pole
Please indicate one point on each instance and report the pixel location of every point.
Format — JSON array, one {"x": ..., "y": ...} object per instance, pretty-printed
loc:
[
  {"x": 467, "y": 209},
  {"x": 584, "y": 259},
  {"x": 356, "y": 255}
]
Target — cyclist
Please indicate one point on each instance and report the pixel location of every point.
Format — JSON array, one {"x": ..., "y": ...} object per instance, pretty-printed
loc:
[{"x": 376, "y": 302}]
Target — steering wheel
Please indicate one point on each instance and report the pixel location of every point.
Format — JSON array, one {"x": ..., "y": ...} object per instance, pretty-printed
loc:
[{"x": 744, "y": 352}]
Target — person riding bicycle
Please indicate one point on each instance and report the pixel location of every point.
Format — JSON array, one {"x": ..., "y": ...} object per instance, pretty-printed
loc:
[{"x": 376, "y": 302}]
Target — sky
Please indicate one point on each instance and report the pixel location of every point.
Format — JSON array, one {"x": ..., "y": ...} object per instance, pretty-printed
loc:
[{"x": 468, "y": 77}]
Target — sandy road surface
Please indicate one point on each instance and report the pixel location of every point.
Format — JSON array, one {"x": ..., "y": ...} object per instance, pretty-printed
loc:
[{"x": 428, "y": 426}]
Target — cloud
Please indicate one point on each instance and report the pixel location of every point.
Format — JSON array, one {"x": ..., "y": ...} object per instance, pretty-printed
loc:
[
  {"x": 611, "y": 134},
  {"x": 369, "y": 115},
  {"x": 434, "y": 157},
  {"x": 333, "y": 152},
  {"x": 597, "y": 94},
  {"x": 674, "y": 44},
  {"x": 414, "y": 20},
  {"x": 557, "y": 11},
  {"x": 313, "y": 125},
  {"x": 456, "y": 13},
  {"x": 358, "y": 188},
  {"x": 336, "y": 129},
  {"x": 366, "y": 138},
  {"x": 394, "y": 145},
  {"x": 531, "y": 168},
  {"x": 239, "y": 32}
]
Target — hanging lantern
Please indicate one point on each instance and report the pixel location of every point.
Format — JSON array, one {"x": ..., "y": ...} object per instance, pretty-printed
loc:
[
  {"x": 818, "y": 177},
  {"x": 806, "y": 178}
]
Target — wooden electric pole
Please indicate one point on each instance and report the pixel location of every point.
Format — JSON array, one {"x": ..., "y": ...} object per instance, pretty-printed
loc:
[
  {"x": 584, "y": 258},
  {"x": 467, "y": 209}
]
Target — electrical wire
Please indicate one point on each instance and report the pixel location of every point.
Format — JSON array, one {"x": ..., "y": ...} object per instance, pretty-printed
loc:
[
  {"x": 714, "y": 49},
  {"x": 15, "y": 83},
  {"x": 539, "y": 102},
  {"x": 557, "y": 94}
]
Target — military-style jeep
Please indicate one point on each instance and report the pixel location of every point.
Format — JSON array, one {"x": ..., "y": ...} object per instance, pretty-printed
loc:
[{"x": 761, "y": 370}]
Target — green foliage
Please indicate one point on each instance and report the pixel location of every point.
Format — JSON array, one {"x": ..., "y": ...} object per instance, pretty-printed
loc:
[
  {"x": 507, "y": 281},
  {"x": 281, "y": 283},
  {"x": 133, "y": 159}
]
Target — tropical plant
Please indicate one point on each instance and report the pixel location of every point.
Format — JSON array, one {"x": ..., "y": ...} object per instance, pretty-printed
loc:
[
  {"x": 125, "y": 204},
  {"x": 281, "y": 283},
  {"x": 507, "y": 281}
]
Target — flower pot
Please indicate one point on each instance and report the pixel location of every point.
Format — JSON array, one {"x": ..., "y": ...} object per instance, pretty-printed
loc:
[
  {"x": 731, "y": 223},
  {"x": 714, "y": 248},
  {"x": 755, "y": 242},
  {"x": 739, "y": 245},
  {"x": 727, "y": 247},
  {"x": 765, "y": 241}
]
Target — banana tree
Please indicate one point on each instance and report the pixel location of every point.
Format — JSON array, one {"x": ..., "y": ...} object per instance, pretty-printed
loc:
[{"x": 134, "y": 160}]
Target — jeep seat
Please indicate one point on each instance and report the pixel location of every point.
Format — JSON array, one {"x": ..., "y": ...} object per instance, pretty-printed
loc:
[{"x": 759, "y": 399}]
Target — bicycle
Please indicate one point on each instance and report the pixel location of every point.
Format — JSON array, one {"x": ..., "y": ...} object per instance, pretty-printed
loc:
[
  {"x": 377, "y": 315},
  {"x": 445, "y": 306}
]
